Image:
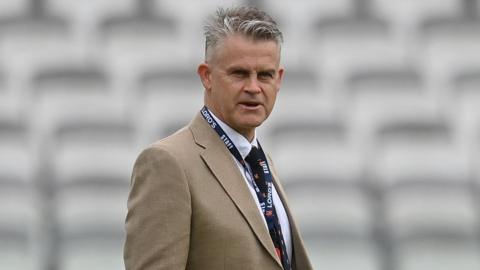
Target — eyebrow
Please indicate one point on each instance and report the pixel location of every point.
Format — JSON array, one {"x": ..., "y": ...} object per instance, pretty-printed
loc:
[
  {"x": 272, "y": 71},
  {"x": 236, "y": 69}
]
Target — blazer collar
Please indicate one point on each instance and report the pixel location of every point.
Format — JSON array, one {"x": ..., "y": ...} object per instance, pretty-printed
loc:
[
  {"x": 221, "y": 163},
  {"x": 242, "y": 144}
]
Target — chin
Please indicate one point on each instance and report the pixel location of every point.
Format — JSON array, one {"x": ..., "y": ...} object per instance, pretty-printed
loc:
[
  {"x": 252, "y": 118},
  {"x": 253, "y": 123}
]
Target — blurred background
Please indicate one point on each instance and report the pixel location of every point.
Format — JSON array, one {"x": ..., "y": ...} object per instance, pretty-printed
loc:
[{"x": 375, "y": 133}]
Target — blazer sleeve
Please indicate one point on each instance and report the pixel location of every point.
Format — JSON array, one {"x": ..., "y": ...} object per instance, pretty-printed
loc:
[{"x": 159, "y": 210}]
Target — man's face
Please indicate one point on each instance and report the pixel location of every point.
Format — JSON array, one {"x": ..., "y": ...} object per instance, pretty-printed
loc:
[{"x": 241, "y": 82}]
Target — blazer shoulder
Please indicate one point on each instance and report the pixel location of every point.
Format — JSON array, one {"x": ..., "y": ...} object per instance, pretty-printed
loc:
[
  {"x": 159, "y": 192},
  {"x": 178, "y": 141}
]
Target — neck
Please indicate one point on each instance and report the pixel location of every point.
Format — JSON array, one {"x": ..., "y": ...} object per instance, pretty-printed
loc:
[{"x": 248, "y": 133}]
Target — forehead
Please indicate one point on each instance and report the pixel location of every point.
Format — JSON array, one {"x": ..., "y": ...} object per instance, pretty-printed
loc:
[{"x": 246, "y": 52}]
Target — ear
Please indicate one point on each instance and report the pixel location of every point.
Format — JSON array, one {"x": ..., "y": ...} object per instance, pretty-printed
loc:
[
  {"x": 281, "y": 71},
  {"x": 204, "y": 72}
]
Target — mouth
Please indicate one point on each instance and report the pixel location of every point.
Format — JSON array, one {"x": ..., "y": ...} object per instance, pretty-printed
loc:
[{"x": 250, "y": 105}]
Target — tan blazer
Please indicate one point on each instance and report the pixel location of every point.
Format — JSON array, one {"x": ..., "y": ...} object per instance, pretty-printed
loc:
[{"x": 189, "y": 208}]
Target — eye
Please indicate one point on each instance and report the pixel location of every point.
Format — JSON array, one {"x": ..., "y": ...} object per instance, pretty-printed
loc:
[
  {"x": 265, "y": 75},
  {"x": 240, "y": 73}
]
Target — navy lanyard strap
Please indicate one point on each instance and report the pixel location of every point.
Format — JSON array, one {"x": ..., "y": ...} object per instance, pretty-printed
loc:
[
  {"x": 223, "y": 136},
  {"x": 265, "y": 200}
]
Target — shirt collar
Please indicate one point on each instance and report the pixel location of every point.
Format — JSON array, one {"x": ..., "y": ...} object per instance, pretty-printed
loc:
[{"x": 242, "y": 144}]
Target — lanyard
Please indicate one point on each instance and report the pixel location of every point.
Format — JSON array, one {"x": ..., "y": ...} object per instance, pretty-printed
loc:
[{"x": 266, "y": 201}]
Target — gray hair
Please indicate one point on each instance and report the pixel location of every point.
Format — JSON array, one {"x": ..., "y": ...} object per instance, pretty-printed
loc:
[{"x": 248, "y": 21}]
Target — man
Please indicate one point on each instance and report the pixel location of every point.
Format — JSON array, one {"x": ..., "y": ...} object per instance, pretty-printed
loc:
[{"x": 206, "y": 197}]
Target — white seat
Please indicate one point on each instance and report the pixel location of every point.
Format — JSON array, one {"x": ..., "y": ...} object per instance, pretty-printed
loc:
[
  {"x": 194, "y": 12},
  {"x": 464, "y": 109},
  {"x": 325, "y": 154},
  {"x": 92, "y": 181},
  {"x": 10, "y": 100},
  {"x": 33, "y": 39},
  {"x": 382, "y": 97},
  {"x": 7, "y": 8},
  {"x": 17, "y": 158},
  {"x": 407, "y": 15},
  {"x": 15, "y": 257},
  {"x": 296, "y": 20},
  {"x": 304, "y": 13},
  {"x": 340, "y": 254},
  {"x": 325, "y": 210},
  {"x": 303, "y": 106},
  {"x": 92, "y": 167},
  {"x": 417, "y": 211},
  {"x": 443, "y": 56},
  {"x": 340, "y": 55},
  {"x": 104, "y": 151},
  {"x": 19, "y": 214},
  {"x": 91, "y": 211},
  {"x": 96, "y": 253},
  {"x": 298, "y": 81},
  {"x": 105, "y": 162},
  {"x": 425, "y": 180},
  {"x": 190, "y": 39},
  {"x": 25, "y": 50},
  {"x": 419, "y": 151},
  {"x": 437, "y": 254},
  {"x": 323, "y": 177},
  {"x": 300, "y": 89},
  {"x": 64, "y": 97},
  {"x": 20, "y": 206},
  {"x": 133, "y": 44},
  {"x": 85, "y": 16},
  {"x": 166, "y": 100}
]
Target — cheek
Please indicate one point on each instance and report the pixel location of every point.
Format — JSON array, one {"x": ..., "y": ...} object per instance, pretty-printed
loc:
[{"x": 271, "y": 93}]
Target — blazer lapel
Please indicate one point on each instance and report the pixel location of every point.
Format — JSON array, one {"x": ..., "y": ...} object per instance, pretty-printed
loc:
[{"x": 219, "y": 160}]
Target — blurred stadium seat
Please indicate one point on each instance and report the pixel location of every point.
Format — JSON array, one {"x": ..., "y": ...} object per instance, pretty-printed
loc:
[
  {"x": 418, "y": 150},
  {"x": 340, "y": 253},
  {"x": 448, "y": 253},
  {"x": 349, "y": 43},
  {"x": 407, "y": 15},
  {"x": 383, "y": 96},
  {"x": 380, "y": 101},
  {"x": 320, "y": 167},
  {"x": 338, "y": 210},
  {"x": 427, "y": 194},
  {"x": 85, "y": 16},
  {"x": 162, "y": 93},
  {"x": 71, "y": 93},
  {"x": 301, "y": 88},
  {"x": 465, "y": 113},
  {"x": 8, "y": 108},
  {"x": 135, "y": 41},
  {"x": 8, "y": 8},
  {"x": 20, "y": 206},
  {"x": 91, "y": 166},
  {"x": 325, "y": 150},
  {"x": 296, "y": 20}
]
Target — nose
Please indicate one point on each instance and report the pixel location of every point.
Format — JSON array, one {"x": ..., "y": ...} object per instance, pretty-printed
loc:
[{"x": 252, "y": 85}]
